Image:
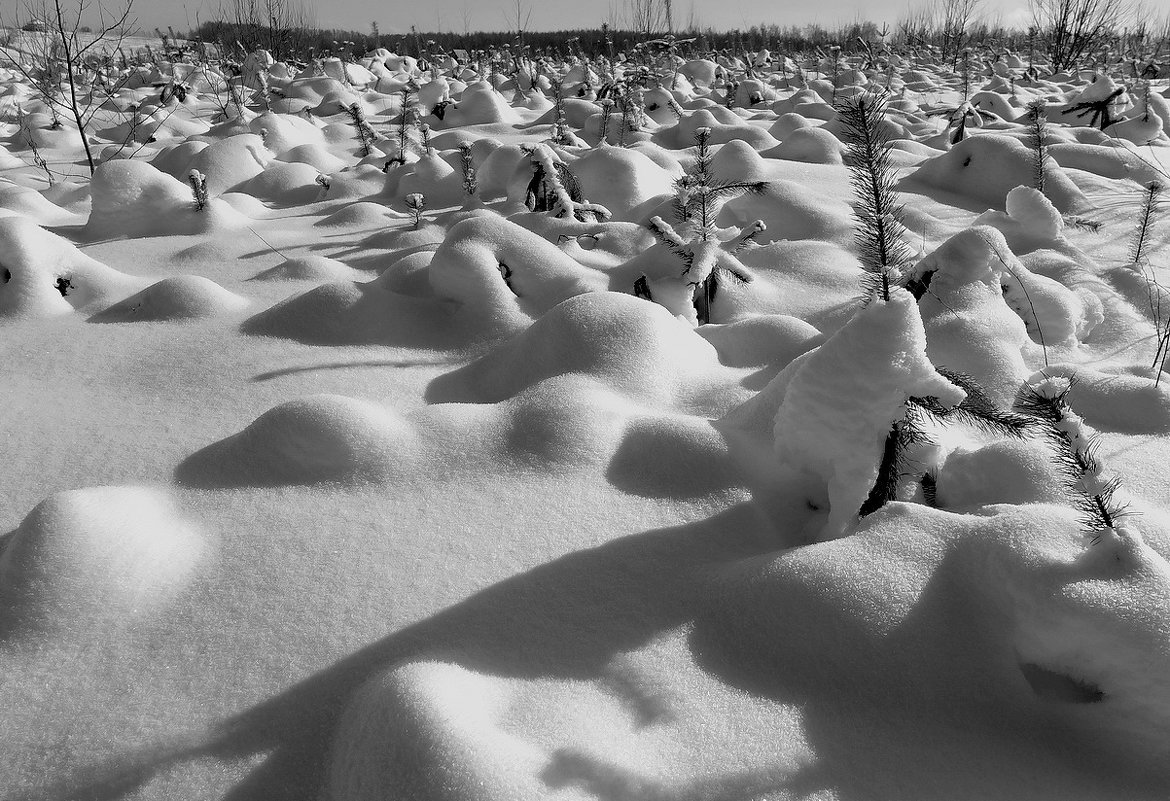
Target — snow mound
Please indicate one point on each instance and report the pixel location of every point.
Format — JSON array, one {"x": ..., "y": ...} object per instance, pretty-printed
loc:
[
  {"x": 418, "y": 721},
  {"x": 229, "y": 162},
  {"x": 1119, "y": 402},
  {"x": 315, "y": 156},
  {"x": 184, "y": 297},
  {"x": 810, "y": 145},
  {"x": 842, "y": 399},
  {"x": 768, "y": 339},
  {"x": 284, "y": 183},
  {"x": 96, "y": 557},
  {"x": 42, "y": 274},
  {"x": 307, "y": 441},
  {"x": 624, "y": 181},
  {"x": 987, "y": 166},
  {"x": 309, "y": 268},
  {"x": 633, "y": 346},
  {"x": 133, "y": 199},
  {"x": 1009, "y": 471},
  {"x": 1029, "y": 221},
  {"x": 363, "y": 214},
  {"x": 969, "y": 326},
  {"x": 503, "y": 276},
  {"x": 791, "y": 210},
  {"x": 32, "y": 204}
]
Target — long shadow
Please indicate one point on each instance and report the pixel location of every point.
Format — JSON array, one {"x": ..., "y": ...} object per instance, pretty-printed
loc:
[
  {"x": 310, "y": 368},
  {"x": 565, "y": 619}
]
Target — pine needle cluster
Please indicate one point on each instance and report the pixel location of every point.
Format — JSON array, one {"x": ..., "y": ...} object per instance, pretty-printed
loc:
[
  {"x": 881, "y": 228},
  {"x": 1076, "y": 447}
]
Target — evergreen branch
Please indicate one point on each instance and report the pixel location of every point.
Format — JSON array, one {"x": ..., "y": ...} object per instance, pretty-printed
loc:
[{"x": 1149, "y": 210}]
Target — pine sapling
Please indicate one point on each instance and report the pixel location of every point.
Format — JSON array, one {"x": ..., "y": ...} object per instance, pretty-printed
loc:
[
  {"x": 561, "y": 133},
  {"x": 606, "y": 113},
  {"x": 1147, "y": 215},
  {"x": 881, "y": 227},
  {"x": 416, "y": 203},
  {"x": 198, "y": 183},
  {"x": 364, "y": 132},
  {"x": 1037, "y": 140},
  {"x": 553, "y": 188},
  {"x": 467, "y": 165},
  {"x": 693, "y": 237},
  {"x": 405, "y": 121}
]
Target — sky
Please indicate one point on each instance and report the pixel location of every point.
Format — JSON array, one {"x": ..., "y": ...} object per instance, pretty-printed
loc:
[{"x": 459, "y": 15}]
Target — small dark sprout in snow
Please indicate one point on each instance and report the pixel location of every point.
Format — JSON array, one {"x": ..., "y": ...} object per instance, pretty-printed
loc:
[
  {"x": 506, "y": 274},
  {"x": 967, "y": 161},
  {"x": 642, "y": 289},
  {"x": 64, "y": 285}
]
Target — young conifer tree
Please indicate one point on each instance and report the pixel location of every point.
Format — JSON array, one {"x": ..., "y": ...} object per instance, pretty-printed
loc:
[{"x": 881, "y": 227}]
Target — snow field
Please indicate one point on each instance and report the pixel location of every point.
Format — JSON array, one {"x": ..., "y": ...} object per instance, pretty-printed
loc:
[{"x": 334, "y": 505}]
